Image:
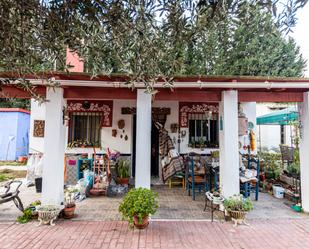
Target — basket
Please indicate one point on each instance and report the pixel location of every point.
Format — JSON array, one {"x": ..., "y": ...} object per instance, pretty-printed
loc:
[
  {"x": 238, "y": 215},
  {"x": 48, "y": 213}
]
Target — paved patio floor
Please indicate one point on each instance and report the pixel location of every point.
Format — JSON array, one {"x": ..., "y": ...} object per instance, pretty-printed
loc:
[
  {"x": 174, "y": 204},
  {"x": 276, "y": 233}
]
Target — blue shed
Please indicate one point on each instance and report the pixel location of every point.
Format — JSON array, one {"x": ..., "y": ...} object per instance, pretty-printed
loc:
[{"x": 14, "y": 133}]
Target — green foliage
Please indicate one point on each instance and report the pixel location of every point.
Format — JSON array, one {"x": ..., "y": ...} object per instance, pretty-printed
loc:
[
  {"x": 215, "y": 154},
  {"x": 238, "y": 203},
  {"x": 148, "y": 39},
  {"x": 28, "y": 212},
  {"x": 272, "y": 161},
  {"x": 294, "y": 168},
  {"x": 15, "y": 103},
  {"x": 123, "y": 168},
  {"x": 26, "y": 217},
  {"x": 138, "y": 201},
  {"x": 7, "y": 174}
]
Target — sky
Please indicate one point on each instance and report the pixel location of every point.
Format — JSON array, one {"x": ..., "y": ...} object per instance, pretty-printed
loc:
[{"x": 301, "y": 34}]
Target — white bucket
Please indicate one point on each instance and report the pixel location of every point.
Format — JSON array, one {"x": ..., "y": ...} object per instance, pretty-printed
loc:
[{"x": 278, "y": 191}]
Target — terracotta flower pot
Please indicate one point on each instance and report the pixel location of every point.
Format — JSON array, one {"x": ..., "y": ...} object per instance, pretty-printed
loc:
[
  {"x": 123, "y": 181},
  {"x": 69, "y": 211},
  {"x": 143, "y": 225}
]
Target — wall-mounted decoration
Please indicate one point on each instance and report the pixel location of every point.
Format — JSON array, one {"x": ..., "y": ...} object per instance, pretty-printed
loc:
[
  {"x": 185, "y": 108},
  {"x": 121, "y": 136},
  {"x": 183, "y": 133},
  {"x": 126, "y": 137},
  {"x": 250, "y": 126},
  {"x": 105, "y": 106},
  {"x": 123, "y": 131},
  {"x": 242, "y": 126},
  {"x": 38, "y": 128},
  {"x": 114, "y": 132},
  {"x": 174, "y": 128},
  {"x": 121, "y": 124}
]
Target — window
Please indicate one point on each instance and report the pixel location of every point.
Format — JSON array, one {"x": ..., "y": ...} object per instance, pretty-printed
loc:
[
  {"x": 85, "y": 129},
  {"x": 203, "y": 130}
]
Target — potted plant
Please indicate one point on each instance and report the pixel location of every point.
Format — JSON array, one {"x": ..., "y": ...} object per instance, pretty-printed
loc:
[
  {"x": 237, "y": 207},
  {"x": 29, "y": 213},
  {"x": 69, "y": 203},
  {"x": 202, "y": 143},
  {"x": 137, "y": 205},
  {"x": 123, "y": 171},
  {"x": 48, "y": 213}
]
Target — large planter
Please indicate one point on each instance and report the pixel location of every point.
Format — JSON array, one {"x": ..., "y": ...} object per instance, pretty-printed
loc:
[
  {"x": 47, "y": 214},
  {"x": 143, "y": 225},
  {"x": 123, "y": 181},
  {"x": 238, "y": 217},
  {"x": 69, "y": 211}
]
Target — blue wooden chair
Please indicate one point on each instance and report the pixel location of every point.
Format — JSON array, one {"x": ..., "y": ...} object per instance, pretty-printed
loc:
[
  {"x": 194, "y": 181},
  {"x": 249, "y": 187}
]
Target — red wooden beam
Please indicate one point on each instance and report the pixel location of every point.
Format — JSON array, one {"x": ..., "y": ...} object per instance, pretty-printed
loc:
[
  {"x": 93, "y": 93},
  {"x": 270, "y": 96},
  {"x": 15, "y": 92},
  {"x": 185, "y": 95}
]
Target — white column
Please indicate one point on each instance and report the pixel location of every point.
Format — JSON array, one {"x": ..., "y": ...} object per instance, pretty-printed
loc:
[
  {"x": 228, "y": 135},
  {"x": 54, "y": 147},
  {"x": 303, "y": 153},
  {"x": 143, "y": 139}
]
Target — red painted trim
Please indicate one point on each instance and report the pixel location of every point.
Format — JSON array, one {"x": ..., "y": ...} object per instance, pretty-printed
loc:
[
  {"x": 186, "y": 108},
  {"x": 14, "y": 110},
  {"x": 270, "y": 96},
  {"x": 186, "y": 95},
  {"x": 14, "y": 92},
  {"x": 97, "y": 93},
  {"x": 125, "y": 78},
  {"x": 107, "y": 116}
]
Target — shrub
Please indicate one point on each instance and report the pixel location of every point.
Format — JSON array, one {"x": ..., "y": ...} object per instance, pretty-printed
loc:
[
  {"x": 140, "y": 202},
  {"x": 238, "y": 203}
]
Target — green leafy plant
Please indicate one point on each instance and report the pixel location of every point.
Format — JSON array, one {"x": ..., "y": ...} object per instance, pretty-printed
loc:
[
  {"x": 123, "y": 168},
  {"x": 215, "y": 154},
  {"x": 28, "y": 212},
  {"x": 26, "y": 217},
  {"x": 294, "y": 168},
  {"x": 138, "y": 202},
  {"x": 202, "y": 143},
  {"x": 272, "y": 164},
  {"x": 238, "y": 203}
]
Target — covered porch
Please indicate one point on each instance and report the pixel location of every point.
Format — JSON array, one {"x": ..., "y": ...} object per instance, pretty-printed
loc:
[
  {"x": 196, "y": 92},
  {"x": 174, "y": 203}
]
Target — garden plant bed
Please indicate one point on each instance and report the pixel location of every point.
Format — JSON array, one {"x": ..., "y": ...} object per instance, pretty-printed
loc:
[
  {"x": 11, "y": 163},
  {"x": 8, "y": 174}
]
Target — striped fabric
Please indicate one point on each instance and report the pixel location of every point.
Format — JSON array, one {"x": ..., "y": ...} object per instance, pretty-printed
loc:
[{"x": 171, "y": 161}]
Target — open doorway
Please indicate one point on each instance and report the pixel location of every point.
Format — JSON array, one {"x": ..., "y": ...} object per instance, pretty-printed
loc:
[
  {"x": 155, "y": 140},
  {"x": 154, "y": 150}
]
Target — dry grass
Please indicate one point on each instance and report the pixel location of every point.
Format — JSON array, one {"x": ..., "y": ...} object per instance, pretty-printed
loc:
[
  {"x": 8, "y": 174},
  {"x": 11, "y": 163}
]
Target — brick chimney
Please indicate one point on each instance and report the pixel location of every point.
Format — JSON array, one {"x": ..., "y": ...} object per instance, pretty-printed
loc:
[{"x": 76, "y": 63}]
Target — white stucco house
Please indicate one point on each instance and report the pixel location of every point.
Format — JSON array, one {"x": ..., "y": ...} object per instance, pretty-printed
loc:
[{"x": 85, "y": 112}]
